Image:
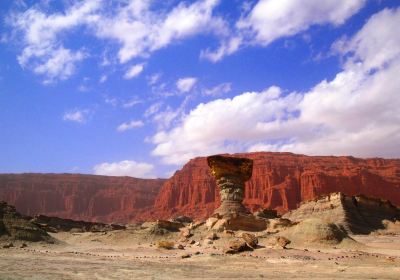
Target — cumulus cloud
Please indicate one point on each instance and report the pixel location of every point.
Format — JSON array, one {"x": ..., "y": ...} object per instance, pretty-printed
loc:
[
  {"x": 79, "y": 116},
  {"x": 125, "y": 168},
  {"x": 138, "y": 26},
  {"x": 141, "y": 30},
  {"x": 43, "y": 50},
  {"x": 186, "y": 84},
  {"x": 129, "y": 125},
  {"x": 134, "y": 71},
  {"x": 269, "y": 20},
  {"x": 355, "y": 113}
]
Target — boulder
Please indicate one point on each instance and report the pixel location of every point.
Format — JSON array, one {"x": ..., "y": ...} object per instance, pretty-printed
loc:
[
  {"x": 185, "y": 232},
  {"x": 236, "y": 246},
  {"x": 168, "y": 225},
  {"x": 211, "y": 222},
  {"x": 282, "y": 242},
  {"x": 250, "y": 239},
  {"x": 164, "y": 244},
  {"x": 212, "y": 236},
  {"x": 246, "y": 223}
]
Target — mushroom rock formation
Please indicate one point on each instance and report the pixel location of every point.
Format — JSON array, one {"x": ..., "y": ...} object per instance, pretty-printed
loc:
[{"x": 230, "y": 174}]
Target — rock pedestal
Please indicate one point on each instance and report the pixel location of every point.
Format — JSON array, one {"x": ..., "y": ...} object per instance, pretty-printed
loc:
[{"x": 230, "y": 174}]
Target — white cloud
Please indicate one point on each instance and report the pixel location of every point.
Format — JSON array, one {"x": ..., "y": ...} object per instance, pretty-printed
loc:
[
  {"x": 140, "y": 30},
  {"x": 43, "y": 50},
  {"x": 131, "y": 103},
  {"x": 125, "y": 168},
  {"x": 134, "y": 71},
  {"x": 186, "y": 84},
  {"x": 103, "y": 79},
  {"x": 153, "y": 79},
  {"x": 218, "y": 89},
  {"x": 270, "y": 20},
  {"x": 355, "y": 113},
  {"x": 154, "y": 108},
  {"x": 79, "y": 116},
  {"x": 129, "y": 125}
]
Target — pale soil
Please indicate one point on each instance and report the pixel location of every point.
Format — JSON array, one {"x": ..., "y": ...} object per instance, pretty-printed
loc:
[{"x": 131, "y": 254}]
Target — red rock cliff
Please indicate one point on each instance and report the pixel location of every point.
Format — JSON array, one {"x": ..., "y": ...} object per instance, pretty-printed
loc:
[
  {"x": 80, "y": 197},
  {"x": 280, "y": 181}
]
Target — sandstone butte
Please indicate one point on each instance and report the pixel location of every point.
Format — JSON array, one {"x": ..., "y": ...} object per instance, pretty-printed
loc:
[{"x": 280, "y": 181}]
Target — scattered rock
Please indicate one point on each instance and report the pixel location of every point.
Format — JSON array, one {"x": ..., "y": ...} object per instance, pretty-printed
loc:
[
  {"x": 165, "y": 244},
  {"x": 208, "y": 242},
  {"x": 181, "y": 247},
  {"x": 196, "y": 224},
  {"x": 250, "y": 239},
  {"x": 168, "y": 225},
  {"x": 229, "y": 232},
  {"x": 24, "y": 245},
  {"x": 236, "y": 246},
  {"x": 183, "y": 219},
  {"x": 192, "y": 241},
  {"x": 8, "y": 245},
  {"x": 282, "y": 241},
  {"x": 246, "y": 223},
  {"x": 267, "y": 214},
  {"x": 186, "y": 233},
  {"x": 212, "y": 236},
  {"x": 211, "y": 222},
  {"x": 220, "y": 225},
  {"x": 185, "y": 256},
  {"x": 279, "y": 224}
]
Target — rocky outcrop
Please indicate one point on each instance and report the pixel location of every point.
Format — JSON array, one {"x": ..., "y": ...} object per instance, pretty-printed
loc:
[
  {"x": 355, "y": 214},
  {"x": 14, "y": 226},
  {"x": 55, "y": 224},
  {"x": 280, "y": 181},
  {"x": 80, "y": 197}
]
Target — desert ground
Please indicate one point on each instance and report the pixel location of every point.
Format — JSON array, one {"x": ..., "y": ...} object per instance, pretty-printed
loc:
[{"x": 133, "y": 254}]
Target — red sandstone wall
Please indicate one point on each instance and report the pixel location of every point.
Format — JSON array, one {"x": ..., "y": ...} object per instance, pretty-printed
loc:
[
  {"x": 79, "y": 197},
  {"x": 279, "y": 181}
]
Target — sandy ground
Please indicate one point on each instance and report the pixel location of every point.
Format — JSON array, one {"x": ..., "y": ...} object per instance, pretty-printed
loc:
[{"x": 132, "y": 254}]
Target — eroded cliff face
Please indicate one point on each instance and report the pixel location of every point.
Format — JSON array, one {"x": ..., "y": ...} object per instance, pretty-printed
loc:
[
  {"x": 80, "y": 197},
  {"x": 280, "y": 181}
]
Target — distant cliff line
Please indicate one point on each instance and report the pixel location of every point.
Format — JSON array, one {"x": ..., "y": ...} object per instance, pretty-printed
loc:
[{"x": 280, "y": 181}]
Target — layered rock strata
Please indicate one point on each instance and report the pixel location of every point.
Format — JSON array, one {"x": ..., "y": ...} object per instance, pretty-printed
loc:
[
  {"x": 105, "y": 199},
  {"x": 279, "y": 181},
  {"x": 355, "y": 214}
]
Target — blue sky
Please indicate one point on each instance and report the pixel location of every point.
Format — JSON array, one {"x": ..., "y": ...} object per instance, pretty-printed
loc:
[{"x": 139, "y": 87}]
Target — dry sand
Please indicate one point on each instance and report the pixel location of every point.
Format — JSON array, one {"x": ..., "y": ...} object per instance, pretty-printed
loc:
[{"x": 131, "y": 254}]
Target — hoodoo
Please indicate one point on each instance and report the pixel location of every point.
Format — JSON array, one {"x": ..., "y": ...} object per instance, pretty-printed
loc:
[{"x": 230, "y": 174}]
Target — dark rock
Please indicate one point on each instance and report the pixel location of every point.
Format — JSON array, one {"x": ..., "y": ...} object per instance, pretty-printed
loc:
[
  {"x": 183, "y": 219},
  {"x": 168, "y": 225},
  {"x": 267, "y": 214},
  {"x": 14, "y": 226}
]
